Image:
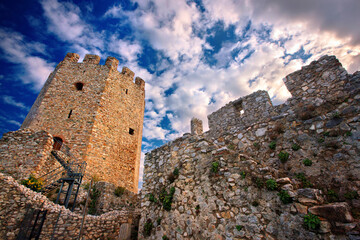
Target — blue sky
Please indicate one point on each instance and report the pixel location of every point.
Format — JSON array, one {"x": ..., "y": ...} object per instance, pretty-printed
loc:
[{"x": 195, "y": 56}]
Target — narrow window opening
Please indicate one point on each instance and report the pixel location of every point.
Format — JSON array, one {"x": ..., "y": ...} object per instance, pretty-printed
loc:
[
  {"x": 57, "y": 143},
  {"x": 131, "y": 131},
  {"x": 70, "y": 113},
  {"x": 79, "y": 86},
  {"x": 126, "y": 91}
]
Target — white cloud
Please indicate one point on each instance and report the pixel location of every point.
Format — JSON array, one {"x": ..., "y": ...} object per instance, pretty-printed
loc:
[
  {"x": 10, "y": 100},
  {"x": 34, "y": 69},
  {"x": 65, "y": 21},
  {"x": 14, "y": 122},
  {"x": 168, "y": 26},
  {"x": 125, "y": 49}
]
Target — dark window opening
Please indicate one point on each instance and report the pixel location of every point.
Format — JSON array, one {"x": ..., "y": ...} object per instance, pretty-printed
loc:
[
  {"x": 131, "y": 131},
  {"x": 79, "y": 86},
  {"x": 57, "y": 143},
  {"x": 70, "y": 113},
  {"x": 126, "y": 91},
  {"x": 239, "y": 107}
]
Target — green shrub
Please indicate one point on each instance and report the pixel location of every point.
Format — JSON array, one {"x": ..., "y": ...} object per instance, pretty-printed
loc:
[
  {"x": 285, "y": 197},
  {"x": 243, "y": 174},
  {"x": 239, "y": 227},
  {"x": 259, "y": 182},
  {"x": 351, "y": 195},
  {"x": 152, "y": 198},
  {"x": 158, "y": 221},
  {"x": 33, "y": 183},
  {"x": 167, "y": 199},
  {"x": 283, "y": 156},
  {"x": 332, "y": 196},
  {"x": 94, "y": 195},
  {"x": 295, "y": 147},
  {"x": 172, "y": 191},
  {"x": 165, "y": 237},
  {"x": 311, "y": 222},
  {"x": 321, "y": 140},
  {"x": 271, "y": 184},
  {"x": 176, "y": 172},
  {"x": 215, "y": 167},
  {"x": 256, "y": 145},
  {"x": 167, "y": 202},
  {"x": 119, "y": 191},
  {"x": 255, "y": 203},
  {"x": 348, "y": 133},
  {"x": 163, "y": 193},
  {"x": 272, "y": 145},
  {"x": 307, "y": 162},
  {"x": 147, "y": 228},
  {"x": 305, "y": 182},
  {"x": 197, "y": 207},
  {"x": 326, "y": 134}
]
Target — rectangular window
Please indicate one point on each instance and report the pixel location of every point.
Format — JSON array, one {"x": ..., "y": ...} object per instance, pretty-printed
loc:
[{"x": 131, "y": 131}]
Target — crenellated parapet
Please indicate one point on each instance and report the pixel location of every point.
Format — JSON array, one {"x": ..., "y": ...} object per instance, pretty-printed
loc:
[
  {"x": 111, "y": 63},
  {"x": 96, "y": 110}
]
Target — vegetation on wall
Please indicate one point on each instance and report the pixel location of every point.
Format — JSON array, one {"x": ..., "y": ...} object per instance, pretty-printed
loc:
[
  {"x": 215, "y": 167},
  {"x": 283, "y": 156},
  {"x": 33, "y": 183},
  {"x": 285, "y": 197},
  {"x": 94, "y": 195},
  {"x": 271, "y": 184},
  {"x": 311, "y": 222},
  {"x": 147, "y": 228}
]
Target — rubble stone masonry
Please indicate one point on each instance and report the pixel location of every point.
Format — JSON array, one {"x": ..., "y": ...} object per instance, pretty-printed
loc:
[
  {"x": 98, "y": 112},
  {"x": 227, "y": 181}
]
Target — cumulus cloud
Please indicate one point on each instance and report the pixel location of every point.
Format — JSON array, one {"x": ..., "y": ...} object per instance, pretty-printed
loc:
[
  {"x": 126, "y": 49},
  {"x": 261, "y": 61},
  {"x": 16, "y": 49},
  {"x": 64, "y": 20}
]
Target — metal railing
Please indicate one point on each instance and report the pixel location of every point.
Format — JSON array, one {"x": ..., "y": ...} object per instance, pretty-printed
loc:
[{"x": 71, "y": 168}]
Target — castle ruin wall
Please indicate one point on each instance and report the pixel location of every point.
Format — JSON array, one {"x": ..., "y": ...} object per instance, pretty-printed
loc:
[
  {"x": 233, "y": 202},
  {"x": 60, "y": 222}
]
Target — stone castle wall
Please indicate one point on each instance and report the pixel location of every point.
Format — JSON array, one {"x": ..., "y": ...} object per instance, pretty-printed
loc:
[
  {"x": 26, "y": 152},
  {"x": 101, "y": 122},
  {"x": 16, "y": 199},
  {"x": 234, "y": 202}
]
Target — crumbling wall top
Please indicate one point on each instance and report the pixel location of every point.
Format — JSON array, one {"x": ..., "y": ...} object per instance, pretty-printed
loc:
[
  {"x": 241, "y": 113},
  {"x": 318, "y": 79}
]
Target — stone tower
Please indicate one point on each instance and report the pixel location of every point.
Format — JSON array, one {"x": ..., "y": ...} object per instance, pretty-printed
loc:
[{"x": 98, "y": 112}]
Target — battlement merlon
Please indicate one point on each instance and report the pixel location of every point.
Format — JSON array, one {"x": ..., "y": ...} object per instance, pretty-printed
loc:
[
  {"x": 90, "y": 58},
  {"x": 140, "y": 82},
  {"x": 112, "y": 63},
  {"x": 71, "y": 57}
]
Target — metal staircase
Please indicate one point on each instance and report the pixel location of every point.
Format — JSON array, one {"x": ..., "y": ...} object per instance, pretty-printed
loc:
[{"x": 70, "y": 173}]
